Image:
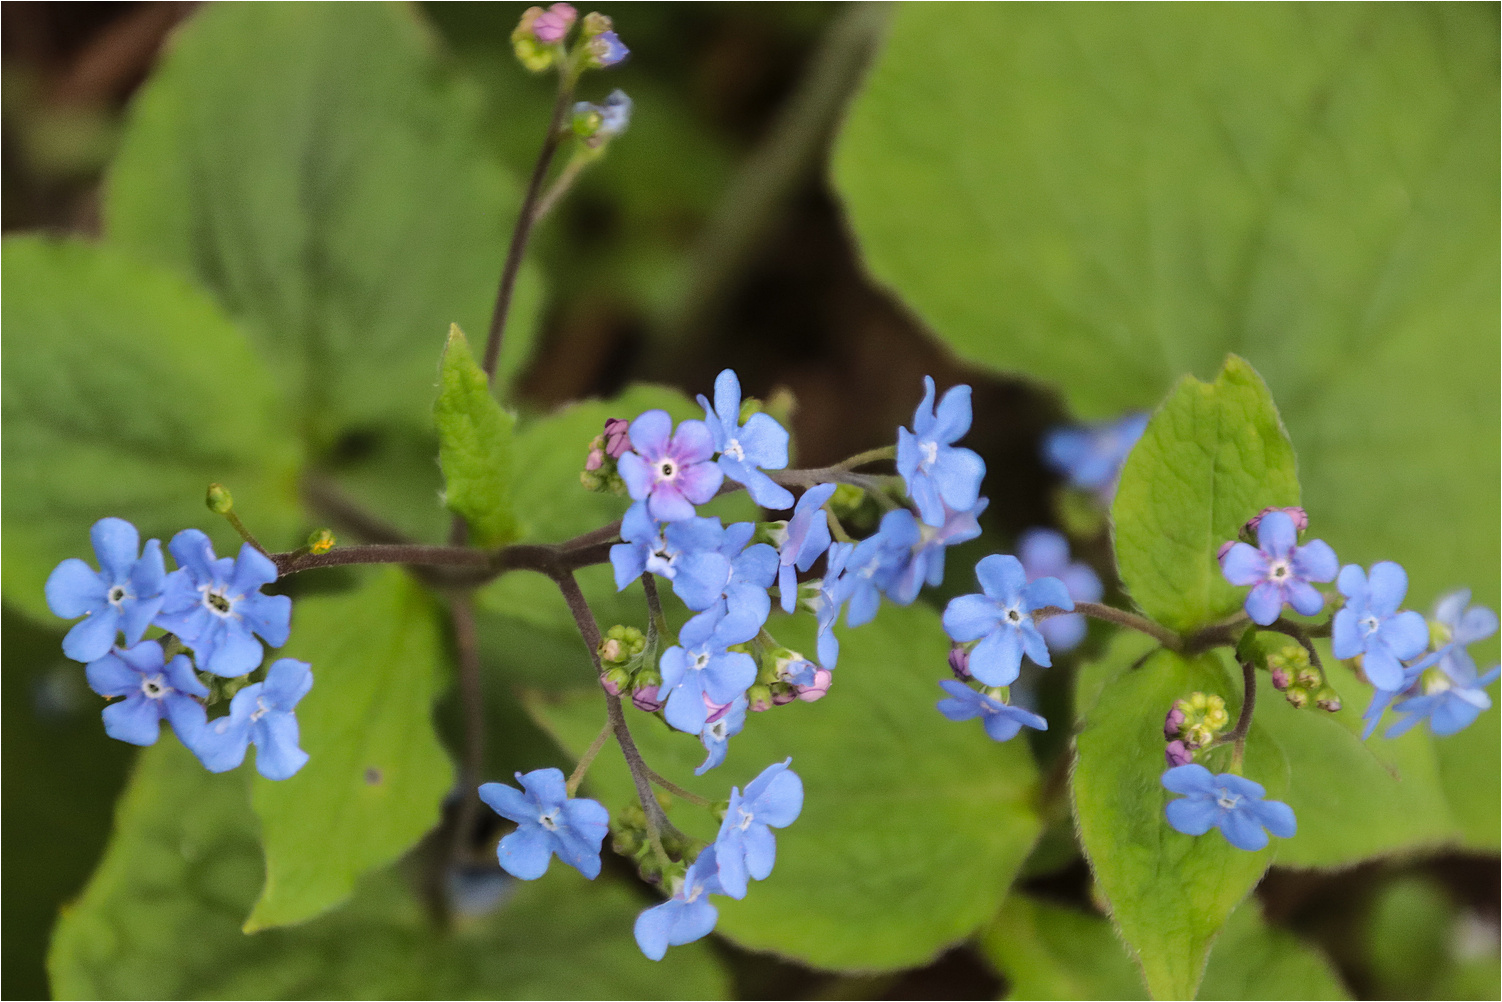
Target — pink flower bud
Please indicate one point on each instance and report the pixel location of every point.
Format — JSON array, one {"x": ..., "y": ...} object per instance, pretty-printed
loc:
[
  {"x": 1177, "y": 754},
  {"x": 1280, "y": 678},
  {"x": 552, "y": 24},
  {"x": 595, "y": 461},
  {"x": 959, "y": 662},
  {"x": 1220, "y": 554},
  {"x": 617, "y": 437},
  {"x": 815, "y": 692},
  {"x": 645, "y": 699},
  {"x": 1172, "y": 723},
  {"x": 783, "y": 695},
  {"x": 716, "y": 710},
  {"x": 1300, "y": 518}
]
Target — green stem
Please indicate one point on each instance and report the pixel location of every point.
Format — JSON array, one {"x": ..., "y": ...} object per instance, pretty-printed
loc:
[
  {"x": 586, "y": 760},
  {"x": 1131, "y": 621}
]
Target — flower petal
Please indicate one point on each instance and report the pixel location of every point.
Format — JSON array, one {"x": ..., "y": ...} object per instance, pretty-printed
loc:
[
  {"x": 117, "y": 544},
  {"x": 136, "y": 720},
  {"x": 1242, "y": 830},
  {"x": 1264, "y": 602},
  {"x": 74, "y": 589},
  {"x": 1315, "y": 560},
  {"x": 1191, "y": 815},
  {"x": 997, "y": 659},
  {"x": 1002, "y": 578},
  {"x": 92, "y": 637},
  {"x": 1276, "y": 534},
  {"x": 1244, "y": 564},
  {"x": 1386, "y": 586},
  {"x": 526, "y": 852}
]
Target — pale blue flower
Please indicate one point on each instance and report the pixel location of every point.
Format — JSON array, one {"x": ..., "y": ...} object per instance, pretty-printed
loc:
[
  {"x": 548, "y": 822},
  {"x": 260, "y": 714},
  {"x": 124, "y": 595},
  {"x": 1228, "y": 802},
  {"x": 745, "y": 846},
  {"x": 215, "y": 606},
  {"x": 745, "y": 450},
  {"x": 935, "y": 471},
  {"x": 1002, "y": 618}
]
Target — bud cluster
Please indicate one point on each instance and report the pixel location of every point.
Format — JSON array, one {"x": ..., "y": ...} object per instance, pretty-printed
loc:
[
  {"x": 1300, "y": 682},
  {"x": 540, "y": 39},
  {"x": 600, "y": 473},
  {"x": 1193, "y": 723}
]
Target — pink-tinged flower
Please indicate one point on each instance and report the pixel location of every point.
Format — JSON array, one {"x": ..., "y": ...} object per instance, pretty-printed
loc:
[
  {"x": 617, "y": 437},
  {"x": 671, "y": 474},
  {"x": 552, "y": 24},
  {"x": 1279, "y": 570},
  {"x": 645, "y": 699},
  {"x": 1300, "y": 518},
  {"x": 815, "y": 691}
]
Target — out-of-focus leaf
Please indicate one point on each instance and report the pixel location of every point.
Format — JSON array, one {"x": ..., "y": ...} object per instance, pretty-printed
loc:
[
  {"x": 912, "y": 826},
  {"x": 161, "y": 920},
  {"x": 311, "y": 165},
  {"x": 376, "y": 772},
  {"x": 475, "y": 445},
  {"x": 126, "y": 393}
]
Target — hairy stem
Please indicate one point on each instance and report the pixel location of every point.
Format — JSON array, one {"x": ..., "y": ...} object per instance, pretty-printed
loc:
[
  {"x": 587, "y": 759},
  {"x": 1244, "y": 719},
  {"x": 1120, "y": 617},
  {"x": 657, "y": 619}
]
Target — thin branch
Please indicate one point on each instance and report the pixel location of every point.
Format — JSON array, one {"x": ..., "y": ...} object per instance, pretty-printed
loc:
[
  {"x": 1120, "y": 617},
  {"x": 674, "y": 788},
  {"x": 586, "y": 760},
  {"x": 869, "y": 456},
  {"x": 1244, "y": 719}
]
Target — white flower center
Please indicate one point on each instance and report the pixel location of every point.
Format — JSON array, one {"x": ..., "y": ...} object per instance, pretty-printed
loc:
[
  {"x": 260, "y": 711},
  {"x": 117, "y": 595},
  {"x": 701, "y": 660},
  {"x": 666, "y": 469},
  {"x": 733, "y": 450},
  {"x": 718, "y": 729},
  {"x": 216, "y": 602},
  {"x": 1228, "y": 800},
  {"x": 1278, "y": 571},
  {"x": 746, "y": 818},
  {"x": 1436, "y": 682},
  {"x": 1014, "y": 616},
  {"x": 1370, "y": 624},
  {"x": 154, "y": 687},
  {"x": 930, "y": 453},
  {"x": 549, "y": 820}
]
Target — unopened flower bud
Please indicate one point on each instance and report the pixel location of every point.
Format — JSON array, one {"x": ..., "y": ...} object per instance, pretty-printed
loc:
[
  {"x": 1177, "y": 754},
  {"x": 959, "y": 662},
  {"x": 644, "y": 698},
  {"x": 321, "y": 541},
  {"x": 597, "y": 124},
  {"x": 759, "y": 698},
  {"x": 1220, "y": 554},
  {"x": 1300, "y": 518},
  {"x": 595, "y": 459},
  {"x": 617, "y": 437},
  {"x": 218, "y": 499},
  {"x": 774, "y": 534},
  {"x": 616, "y": 680},
  {"x": 1299, "y": 698},
  {"x": 1310, "y": 678},
  {"x": 815, "y": 691},
  {"x": 782, "y": 695},
  {"x": 1327, "y": 699},
  {"x": 1173, "y": 723},
  {"x": 550, "y": 26},
  {"x": 1281, "y": 678},
  {"x": 610, "y": 650},
  {"x": 533, "y": 53},
  {"x": 594, "y": 24}
]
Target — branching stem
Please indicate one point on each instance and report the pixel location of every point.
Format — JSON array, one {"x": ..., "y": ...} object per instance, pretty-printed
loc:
[{"x": 1120, "y": 617}]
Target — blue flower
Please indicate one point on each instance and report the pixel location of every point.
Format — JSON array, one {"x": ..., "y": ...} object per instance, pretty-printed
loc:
[
  {"x": 829, "y": 601},
  {"x": 123, "y": 595},
  {"x": 1450, "y": 706},
  {"x": 1045, "y": 554},
  {"x": 687, "y": 915},
  {"x": 1459, "y": 625},
  {"x": 925, "y": 564},
  {"x": 1090, "y": 458},
  {"x": 548, "y": 821},
  {"x": 1370, "y": 624},
  {"x": 685, "y": 552},
  {"x": 1002, "y": 721},
  {"x": 1455, "y": 625},
  {"x": 605, "y": 49},
  {"x": 215, "y": 605},
  {"x": 154, "y": 691},
  {"x": 1228, "y": 802},
  {"x": 717, "y": 734},
  {"x": 745, "y": 846},
  {"x": 597, "y": 124},
  {"x": 1002, "y": 618},
  {"x": 1279, "y": 570},
  {"x": 260, "y": 714},
  {"x": 700, "y": 667},
  {"x": 874, "y": 565},
  {"x": 761, "y": 444},
  {"x": 742, "y": 604},
  {"x": 670, "y": 474},
  {"x": 937, "y": 473},
  {"x": 805, "y": 542}
]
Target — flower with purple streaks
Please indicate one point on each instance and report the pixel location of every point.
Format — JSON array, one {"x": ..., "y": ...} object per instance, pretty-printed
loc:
[
  {"x": 670, "y": 470},
  {"x": 1279, "y": 570},
  {"x": 925, "y": 564}
]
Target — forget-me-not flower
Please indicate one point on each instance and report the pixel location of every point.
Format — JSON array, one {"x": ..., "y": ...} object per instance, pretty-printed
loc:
[
  {"x": 1002, "y": 721},
  {"x": 1002, "y": 618},
  {"x": 548, "y": 821},
  {"x": 687, "y": 915},
  {"x": 154, "y": 690},
  {"x": 684, "y": 552},
  {"x": 672, "y": 474},
  {"x": 829, "y": 601},
  {"x": 745, "y": 846},
  {"x": 215, "y": 605},
  {"x": 745, "y": 450},
  {"x": 1045, "y": 554},
  {"x": 1091, "y": 458},
  {"x": 741, "y": 602},
  {"x": 925, "y": 564},
  {"x": 698, "y": 666},
  {"x": 806, "y": 539},
  {"x": 1279, "y": 570},
  {"x": 1228, "y": 802},
  {"x": 1370, "y": 624},
  {"x": 1449, "y": 704},
  {"x": 935, "y": 471},
  {"x": 122, "y": 596},
  {"x": 260, "y": 714},
  {"x": 871, "y": 568},
  {"x": 605, "y": 50},
  {"x": 717, "y": 734}
]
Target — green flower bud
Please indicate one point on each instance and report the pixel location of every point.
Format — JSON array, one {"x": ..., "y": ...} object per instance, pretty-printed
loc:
[
  {"x": 1298, "y": 697},
  {"x": 218, "y": 499},
  {"x": 1327, "y": 699},
  {"x": 1310, "y": 678},
  {"x": 594, "y": 24},
  {"x": 1291, "y": 659}
]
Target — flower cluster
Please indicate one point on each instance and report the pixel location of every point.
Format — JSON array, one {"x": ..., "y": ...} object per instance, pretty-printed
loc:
[
  {"x": 209, "y": 607},
  {"x": 540, "y": 39}
]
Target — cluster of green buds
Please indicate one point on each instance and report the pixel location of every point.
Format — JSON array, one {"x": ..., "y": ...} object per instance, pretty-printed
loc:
[
  {"x": 605, "y": 450},
  {"x": 627, "y": 666},
  {"x": 1300, "y": 682},
  {"x": 629, "y": 839},
  {"x": 1193, "y": 723}
]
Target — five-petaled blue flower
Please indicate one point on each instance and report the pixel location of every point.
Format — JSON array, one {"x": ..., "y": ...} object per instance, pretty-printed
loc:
[
  {"x": 1370, "y": 624},
  {"x": 260, "y": 714},
  {"x": 154, "y": 691},
  {"x": 935, "y": 471},
  {"x": 685, "y": 552},
  {"x": 1002, "y": 721},
  {"x": 687, "y": 915},
  {"x": 1045, "y": 554},
  {"x": 123, "y": 595},
  {"x": 215, "y": 605},
  {"x": 1091, "y": 457},
  {"x": 1002, "y": 618},
  {"x": 672, "y": 474},
  {"x": 699, "y": 667},
  {"x": 741, "y": 604},
  {"x": 925, "y": 562},
  {"x": 1450, "y": 704},
  {"x": 746, "y": 450},
  {"x": 1279, "y": 570},
  {"x": 717, "y": 734},
  {"x": 745, "y": 846},
  {"x": 548, "y": 821},
  {"x": 805, "y": 542},
  {"x": 1228, "y": 802}
]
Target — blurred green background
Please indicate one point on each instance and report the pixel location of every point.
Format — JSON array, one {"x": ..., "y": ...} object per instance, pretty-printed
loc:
[{"x": 712, "y": 235}]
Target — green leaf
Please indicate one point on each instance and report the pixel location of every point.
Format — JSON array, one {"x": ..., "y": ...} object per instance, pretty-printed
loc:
[
  {"x": 1214, "y": 454},
  {"x": 912, "y": 826},
  {"x": 475, "y": 445},
  {"x": 161, "y": 920},
  {"x": 314, "y": 168},
  {"x": 1169, "y": 893},
  {"x": 1046, "y": 951},
  {"x": 126, "y": 393},
  {"x": 1107, "y": 198},
  {"x": 376, "y": 772}
]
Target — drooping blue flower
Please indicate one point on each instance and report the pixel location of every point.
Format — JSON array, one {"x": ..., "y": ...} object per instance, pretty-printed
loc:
[
  {"x": 717, "y": 734},
  {"x": 685, "y": 553},
  {"x": 1279, "y": 570},
  {"x": 874, "y": 565},
  {"x": 935, "y": 471},
  {"x": 829, "y": 601},
  {"x": 261, "y": 714},
  {"x": 1002, "y": 618},
  {"x": 548, "y": 821},
  {"x": 1228, "y": 802},
  {"x": 746, "y": 450},
  {"x": 122, "y": 596},
  {"x": 1458, "y": 625},
  {"x": 925, "y": 564},
  {"x": 745, "y": 846},
  {"x": 687, "y": 915},
  {"x": 597, "y": 124},
  {"x": 215, "y": 606},
  {"x": 699, "y": 666},
  {"x": 1045, "y": 554},
  {"x": 1002, "y": 721},
  {"x": 1449, "y": 705},
  {"x": 154, "y": 690},
  {"x": 1370, "y": 624},
  {"x": 670, "y": 474},
  {"x": 1090, "y": 458},
  {"x": 806, "y": 539}
]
